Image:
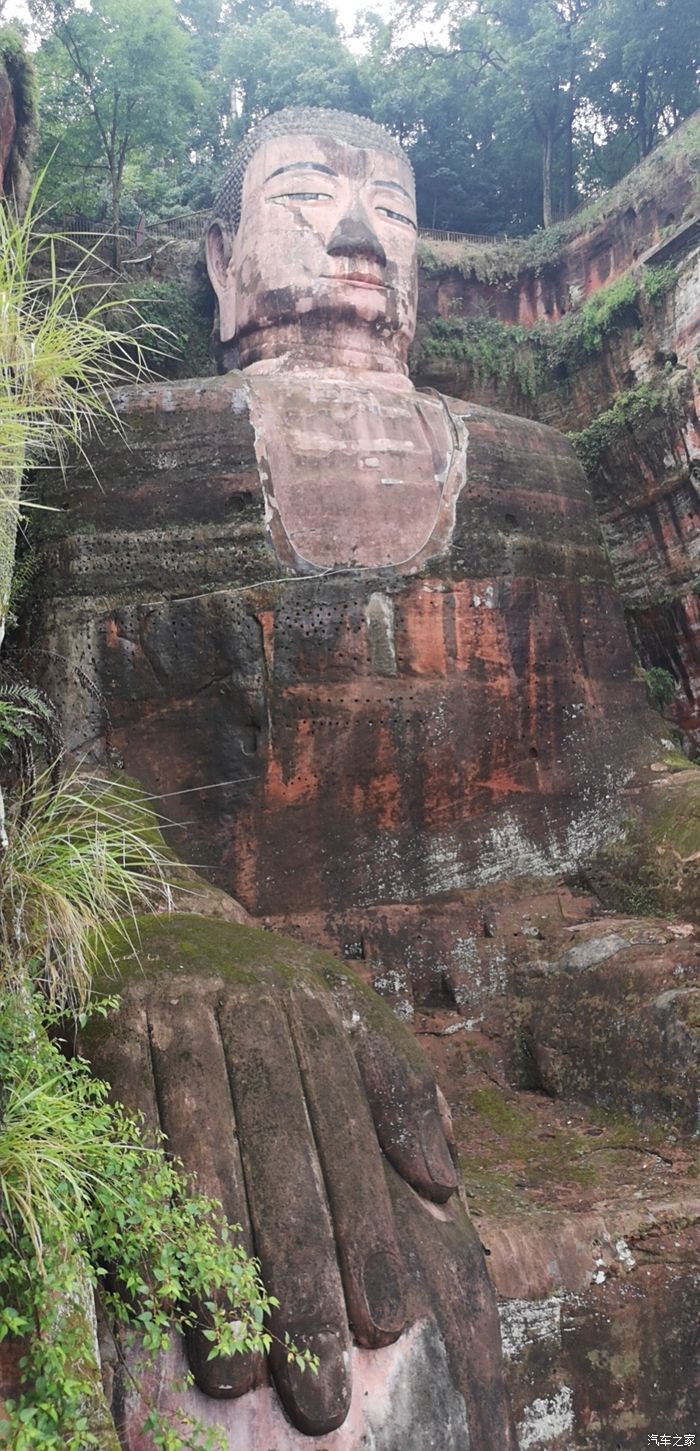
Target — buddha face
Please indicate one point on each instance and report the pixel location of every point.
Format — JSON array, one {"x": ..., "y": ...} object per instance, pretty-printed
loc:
[{"x": 324, "y": 259}]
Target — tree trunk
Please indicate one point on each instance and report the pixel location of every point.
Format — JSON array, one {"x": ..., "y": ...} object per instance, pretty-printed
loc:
[
  {"x": 116, "y": 220},
  {"x": 547, "y": 150},
  {"x": 569, "y": 162},
  {"x": 642, "y": 143}
]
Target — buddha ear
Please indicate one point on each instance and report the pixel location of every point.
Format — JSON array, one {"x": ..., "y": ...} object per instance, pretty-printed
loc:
[
  {"x": 219, "y": 250},
  {"x": 219, "y": 245}
]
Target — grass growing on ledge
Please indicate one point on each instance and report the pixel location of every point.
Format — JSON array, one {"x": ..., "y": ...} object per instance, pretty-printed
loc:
[
  {"x": 658, "y": 281},
  {"x": 533, "y": 359},
  {"x": 495, "y": 353}
]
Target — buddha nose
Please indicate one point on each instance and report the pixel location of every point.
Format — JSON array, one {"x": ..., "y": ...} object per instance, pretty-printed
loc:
[{"x": 354, "y": 237}]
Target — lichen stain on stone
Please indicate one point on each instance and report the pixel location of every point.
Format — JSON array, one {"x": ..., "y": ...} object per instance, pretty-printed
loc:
[
  {"x": 546, "y": 1420},
  {"x": 525, "y": 1322}
]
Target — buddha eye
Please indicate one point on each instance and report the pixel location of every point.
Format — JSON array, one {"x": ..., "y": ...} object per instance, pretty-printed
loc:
[
  {"x": 302, "y": 196},
  {"x": 397, "y": 217}
]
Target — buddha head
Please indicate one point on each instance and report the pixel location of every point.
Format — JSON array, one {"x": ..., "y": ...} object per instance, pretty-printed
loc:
[{"x": 312, "y": 250}]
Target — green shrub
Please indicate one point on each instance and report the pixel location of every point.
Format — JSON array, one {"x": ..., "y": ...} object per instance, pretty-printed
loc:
[
  {"x": 496, "y": 354},
  {"x": 606, "y": 311},
  {"x": 175, "y": 328},
  {"x": 631, "y": 409},
  {"x": 661, "y": 686},
  {"x": 658, "y": 281}
]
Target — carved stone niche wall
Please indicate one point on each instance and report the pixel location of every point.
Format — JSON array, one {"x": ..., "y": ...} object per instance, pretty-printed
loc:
[{"x": 374, "y": 735}]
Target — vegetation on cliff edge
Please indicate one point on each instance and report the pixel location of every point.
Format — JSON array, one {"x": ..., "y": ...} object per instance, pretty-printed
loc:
[{"x": 536, "y": 357}]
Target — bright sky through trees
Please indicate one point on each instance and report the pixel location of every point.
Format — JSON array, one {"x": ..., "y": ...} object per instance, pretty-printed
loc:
[{"x": 346, "y": 10}]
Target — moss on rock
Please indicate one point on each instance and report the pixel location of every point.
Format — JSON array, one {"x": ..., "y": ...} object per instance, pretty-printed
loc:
[{"x": 654, "y": 866}]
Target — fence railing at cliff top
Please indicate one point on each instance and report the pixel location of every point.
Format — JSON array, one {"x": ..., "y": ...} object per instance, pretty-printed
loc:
[
  {"x": 478, "y": 239},
  {"x": 189, "y": 226}
]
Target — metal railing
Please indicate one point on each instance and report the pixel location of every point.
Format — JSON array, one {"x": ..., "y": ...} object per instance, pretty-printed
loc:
[
  {"x": 477, "y": 239},
  {"x": 189, "y": 227}
]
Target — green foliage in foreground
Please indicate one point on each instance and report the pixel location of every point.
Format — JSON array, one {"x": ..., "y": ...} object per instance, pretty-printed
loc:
[
  {"x": 28, "y": 724},
  {"x": 89, "y": 1204},
  {"x": 81, "y": 1191},
  {"x": 83, "y": 858},
  {"x": 60, "y": 355}
]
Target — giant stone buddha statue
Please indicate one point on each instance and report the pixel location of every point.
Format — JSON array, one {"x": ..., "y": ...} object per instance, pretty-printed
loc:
[{"x": 363, "y": 643}]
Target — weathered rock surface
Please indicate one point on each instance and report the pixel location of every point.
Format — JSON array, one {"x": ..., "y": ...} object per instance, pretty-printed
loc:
[
  {"x": 614, "y": 1021},
  {"x": 8, "y": 123},
  {"x": 17, "y": 116},
  {"x": 362, "y": 737},
  {"x": 642, "y": 458},
  {"x": 590, "y": 1220}
]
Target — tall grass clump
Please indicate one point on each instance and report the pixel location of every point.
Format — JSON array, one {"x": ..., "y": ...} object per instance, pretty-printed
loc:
[
  {"x": 82, "y": 861},
  {"x": 59, "y": 359}
]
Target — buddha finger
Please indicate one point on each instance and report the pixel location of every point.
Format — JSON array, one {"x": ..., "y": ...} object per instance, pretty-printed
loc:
[
  {"x": 118, "y": 1051},
  {"x": 363, "y": 1218},
  {"x": 196, "y": 1112},
  {"x": 403, "y": 1098},
  {"x": 289, "y": 1212}
]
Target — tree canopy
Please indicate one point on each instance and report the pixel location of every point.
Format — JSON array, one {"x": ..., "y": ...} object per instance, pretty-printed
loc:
[
  {"x": 521, "y": 108},
  {"x": 118, "y": 89}
]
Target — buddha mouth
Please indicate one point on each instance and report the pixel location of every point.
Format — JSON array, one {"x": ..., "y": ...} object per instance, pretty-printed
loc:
[{"x": 360, "y": 279}]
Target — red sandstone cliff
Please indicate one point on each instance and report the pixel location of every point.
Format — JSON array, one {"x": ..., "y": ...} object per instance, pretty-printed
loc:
[{"x": 595, "y": 328}]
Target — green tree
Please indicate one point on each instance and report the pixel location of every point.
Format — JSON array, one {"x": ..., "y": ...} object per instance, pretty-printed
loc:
[
  {"x": 278, "y": 59},
  {"x": 473, "y": 171},
  {"x": 647, "y": 73},
  {"x": 538, "y": 52},
  {"x": 116, "y": 81}
]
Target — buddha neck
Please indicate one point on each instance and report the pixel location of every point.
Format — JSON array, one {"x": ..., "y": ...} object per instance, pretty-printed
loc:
[{"x": 332, "y": 350}]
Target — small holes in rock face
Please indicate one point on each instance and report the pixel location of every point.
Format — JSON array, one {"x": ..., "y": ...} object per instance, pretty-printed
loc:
[{"x": 533, "y": 753}]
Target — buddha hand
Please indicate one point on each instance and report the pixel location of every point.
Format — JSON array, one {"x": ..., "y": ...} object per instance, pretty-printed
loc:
[{"x": 285, "y": 1085}]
